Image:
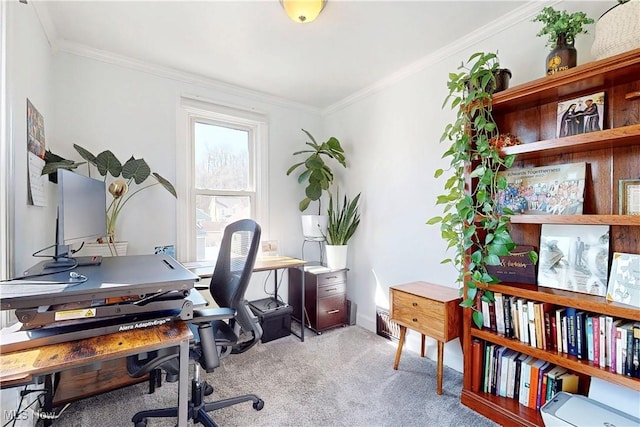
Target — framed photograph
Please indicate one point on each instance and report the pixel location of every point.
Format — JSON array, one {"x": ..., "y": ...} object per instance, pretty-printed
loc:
[
  {"x": 547, "y": 190},
  {"x": 580, "y": 115},
  {"x": 624, "y": 282},
  {"x": 574, "y": 258},
  {"x": 629, "y": 194}
]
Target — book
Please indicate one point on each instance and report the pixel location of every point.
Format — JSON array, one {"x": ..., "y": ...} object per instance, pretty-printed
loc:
[
  {"x": 488, "y": 355},
  {"x": 504, "y": 371},
  {"x": 554, "y": 334},
  {"x": 518, "y": 375},
  {"x": 531, "y": 313},
  {"x": 542, "y": 385},
  {"x": 565, "y": 333},
  {"x": 511, "y": 374},
  {"x": 477, "y": 365},
  {"x": 486, "y": 321},
  {"x": 624, "y": 280},
  {"x": 492, "y": 316},
  {"x": 581, "y": 348},
  {"x": 508, "y": 322},
  {"x": 534, "y": 378},
  {"x": 525, "y": 377},
  {"x": 551, "y": 381},
  {"x": 524, "y": 320},
  {"x": 590, "y": 353},
  {"x": 560, "y": 313},
  {"x": 608, "y": 329},
  {"x": 574, "y": 258},
  {"x": 635, "y": 361},
  {"x": 499, "y": 310},
  {"x": 568, "y": 382},
  {"x": 545, "y": 190},
  {"x": 572, "y": 348},
  {"x": 602, "y": 362},
  {"x": 515, "y": 317}
]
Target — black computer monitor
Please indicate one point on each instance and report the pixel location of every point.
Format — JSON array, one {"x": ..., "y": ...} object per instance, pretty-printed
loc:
[{"x": 82, "y": 214}]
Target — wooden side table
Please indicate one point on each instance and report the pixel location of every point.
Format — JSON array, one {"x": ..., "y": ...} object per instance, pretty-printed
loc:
[{"x": 432, "y": 310}]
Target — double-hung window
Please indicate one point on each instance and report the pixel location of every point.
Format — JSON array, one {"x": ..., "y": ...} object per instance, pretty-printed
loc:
[{"x": 222, "y": 174}]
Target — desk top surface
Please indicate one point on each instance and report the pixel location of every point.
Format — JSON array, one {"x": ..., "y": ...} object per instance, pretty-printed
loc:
[
  {"x": 204, "y": 269},
  {"x": 20, "y": 366},
  {"x": 430, "y": 291},
  {"x": 116, "y": 276}
]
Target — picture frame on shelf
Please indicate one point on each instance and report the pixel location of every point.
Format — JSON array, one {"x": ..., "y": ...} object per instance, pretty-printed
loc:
[
  {"x": 516, "y": 267},
  {"x": 629, "y": 197},
  {"x": 581, "y": 115},
  {"x": 574, "y": 258},
  {"x": 624, "y": 281},
  {"x": 546, "y": 190}
]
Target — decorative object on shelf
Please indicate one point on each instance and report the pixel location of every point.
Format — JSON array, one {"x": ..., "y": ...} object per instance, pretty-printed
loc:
[
  {"x": 561, "y": 29},
  {"x": 133, "y": 173},
  {"x": 502, "y": 78},
  {"x": 504, "y": 140},
  {"x": 629, "y": 194},
  {"x": 303, "y": 11},
  {"x": 624, "y": 281},
  {"x": 318, "y": 177},
  {"x": 516, "y": 267},
  {"x": 617, "y": 30},
  {"x": 343, "y": 222},
  {"x": 469, "y": 217},
  {"x": 545, "y": 190},
  {"x": 580, "y": 115},
  {"x": 574, "y": 258}
]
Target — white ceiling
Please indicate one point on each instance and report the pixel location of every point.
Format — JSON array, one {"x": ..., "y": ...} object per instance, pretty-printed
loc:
[{"x": 254, "y": 45}]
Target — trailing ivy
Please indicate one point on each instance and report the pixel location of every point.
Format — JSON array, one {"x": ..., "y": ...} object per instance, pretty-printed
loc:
[{"x": 470, "y": 222}]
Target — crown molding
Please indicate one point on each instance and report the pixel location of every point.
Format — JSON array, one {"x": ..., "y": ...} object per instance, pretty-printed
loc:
[
  {"x": 42, "y": 12},
  {"x": 515, "y": 17}
]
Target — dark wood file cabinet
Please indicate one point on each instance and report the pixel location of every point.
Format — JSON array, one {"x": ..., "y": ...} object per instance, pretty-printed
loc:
[{"x": 325, "y": 299}]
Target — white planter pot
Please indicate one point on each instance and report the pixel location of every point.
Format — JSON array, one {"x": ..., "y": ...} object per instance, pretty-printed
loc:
[
  {"x": 617, "y": 31},
  {"x": 336, "y": 256},
  {"x": 104, "y": 249},
  {"x": 314, "y": 226}
]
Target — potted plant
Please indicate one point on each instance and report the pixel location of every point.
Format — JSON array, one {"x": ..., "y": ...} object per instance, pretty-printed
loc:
[
  {"x": 317, "y": 175},
  {"x": 470, "y": 222},
  {"x": 342, "y": 223},
  {"x": 561, "y": 28},
  {"x": 126, "y": 181},
  {"x": 617, "y": 30}
]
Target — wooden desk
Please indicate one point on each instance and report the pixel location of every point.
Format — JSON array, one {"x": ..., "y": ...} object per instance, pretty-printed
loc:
[
  {"x": 432, "y": 310},
  {"x": 21, "y": 367},
  {"x": 204, "y": 269}
]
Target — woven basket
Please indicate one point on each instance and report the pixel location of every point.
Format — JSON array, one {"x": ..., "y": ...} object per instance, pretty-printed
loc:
[{"x": 617, "y": 30}]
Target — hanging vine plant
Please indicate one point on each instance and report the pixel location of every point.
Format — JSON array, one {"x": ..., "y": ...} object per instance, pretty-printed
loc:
[{"x": 471, "y": 223}]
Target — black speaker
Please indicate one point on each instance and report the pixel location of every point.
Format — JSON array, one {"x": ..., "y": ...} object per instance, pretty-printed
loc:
[{"x": 352, "y": 309}]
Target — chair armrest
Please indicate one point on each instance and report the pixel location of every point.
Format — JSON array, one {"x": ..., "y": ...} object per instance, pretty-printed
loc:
[{"x": 211, "y": 314}]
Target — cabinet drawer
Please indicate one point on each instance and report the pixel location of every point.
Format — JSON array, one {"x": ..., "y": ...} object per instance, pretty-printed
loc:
[
  {"x": 331, "y": 289},
  {"x": 332, "y": 311},
  {"x": 333, "y": 277},
  {"x": 417, "y": 305}
]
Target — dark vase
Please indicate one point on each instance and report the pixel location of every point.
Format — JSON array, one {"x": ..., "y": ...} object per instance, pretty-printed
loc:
[
  {"x": 562, "y": 57},
  {"x": 502, "y": 76}
]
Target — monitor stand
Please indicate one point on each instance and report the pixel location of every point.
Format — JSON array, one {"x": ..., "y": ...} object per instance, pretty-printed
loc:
[{"x": 80, "y": 261}]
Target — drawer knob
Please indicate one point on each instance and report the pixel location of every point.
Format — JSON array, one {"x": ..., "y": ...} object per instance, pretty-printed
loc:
[
  {"x": 415, "y": 304},
  {"x": 414, "y": 319},
  {"x": 333, "y": 311},
  {"x": 332, "y": 289}
]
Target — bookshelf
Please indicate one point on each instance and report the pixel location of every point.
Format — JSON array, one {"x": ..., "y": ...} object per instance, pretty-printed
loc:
[{"x": 529, "y": 111}]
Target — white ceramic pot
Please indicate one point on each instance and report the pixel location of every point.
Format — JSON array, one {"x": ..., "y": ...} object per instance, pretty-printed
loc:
[
  {"x": 314, "y": 227},
  {"x": 617, "y": 31},
  {"x": 104, "y": 249},
  {"x": 336, "y": 256}
]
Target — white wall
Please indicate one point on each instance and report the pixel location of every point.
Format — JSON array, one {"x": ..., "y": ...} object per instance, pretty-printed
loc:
[{"x": 392, "y": 138}]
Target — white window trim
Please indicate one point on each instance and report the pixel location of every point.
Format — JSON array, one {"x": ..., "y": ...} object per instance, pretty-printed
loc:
[{"x": 189, "y": 109}]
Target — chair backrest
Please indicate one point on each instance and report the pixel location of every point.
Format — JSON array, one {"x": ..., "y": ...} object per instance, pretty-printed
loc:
[{"x": 232, "y": 273}]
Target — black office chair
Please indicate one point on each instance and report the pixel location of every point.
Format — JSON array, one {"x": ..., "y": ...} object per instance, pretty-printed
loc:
[{"x": 232, "y": 328}]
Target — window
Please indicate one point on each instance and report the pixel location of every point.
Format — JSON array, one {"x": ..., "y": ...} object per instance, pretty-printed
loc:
[{"x": 223, "y": 173}]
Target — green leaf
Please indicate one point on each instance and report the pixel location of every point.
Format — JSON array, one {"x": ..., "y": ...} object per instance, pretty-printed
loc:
[{"x": 478, "y": 319}]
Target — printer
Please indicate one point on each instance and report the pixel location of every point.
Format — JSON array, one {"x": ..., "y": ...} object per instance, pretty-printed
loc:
[{"x": 566, "y": 409}]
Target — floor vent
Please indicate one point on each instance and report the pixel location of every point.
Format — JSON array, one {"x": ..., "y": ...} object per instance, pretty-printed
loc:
[{"x": 385, "y": 327}]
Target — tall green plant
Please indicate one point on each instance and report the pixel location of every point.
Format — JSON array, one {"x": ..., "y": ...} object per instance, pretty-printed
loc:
[
  {"x": 470, "y": 223},
  {"x": 315, "y": 172},
  {"x": 128, "y": 181},
  {"x": 343, "y": 220}
]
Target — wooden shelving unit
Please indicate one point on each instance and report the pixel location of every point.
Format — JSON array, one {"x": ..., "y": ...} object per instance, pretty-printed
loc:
[{"x": 529, "y": 111}]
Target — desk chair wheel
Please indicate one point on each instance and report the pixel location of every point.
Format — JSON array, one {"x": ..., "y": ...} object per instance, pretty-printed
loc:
[
  {"x": 141, "y": 423},
  {"x": 256, "y": 405}
]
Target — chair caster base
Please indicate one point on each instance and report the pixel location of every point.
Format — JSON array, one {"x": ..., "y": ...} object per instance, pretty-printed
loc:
[{"x": 257, "y": 405}]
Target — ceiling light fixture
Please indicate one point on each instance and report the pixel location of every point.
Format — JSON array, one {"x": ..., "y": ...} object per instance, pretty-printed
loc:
[{"x": 303, "y": 11}]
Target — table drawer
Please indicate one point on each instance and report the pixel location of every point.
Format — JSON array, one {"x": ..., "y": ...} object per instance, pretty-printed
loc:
[
  {"x": 331, "y": 289},
  {"x": 332, "y": 277},
  {"x": 332, "y": 311},
  {"x": 416, "y": 304},
  {"x": 431, "y": 324}
]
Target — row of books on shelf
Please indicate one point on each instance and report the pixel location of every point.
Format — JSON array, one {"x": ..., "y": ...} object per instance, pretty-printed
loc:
[
  {"x": 603, "y": 340},
  {"x": 502, "y": 371}
]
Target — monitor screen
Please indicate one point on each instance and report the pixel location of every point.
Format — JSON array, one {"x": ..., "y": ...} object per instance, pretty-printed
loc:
[{"x": 81, "y": 211}]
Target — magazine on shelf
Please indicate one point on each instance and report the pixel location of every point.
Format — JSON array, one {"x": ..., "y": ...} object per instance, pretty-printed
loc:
[
  {"x": 574, "y": 258},
  {"x": 624, "y": 282},
  {"x": 547, "y": 190}
]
